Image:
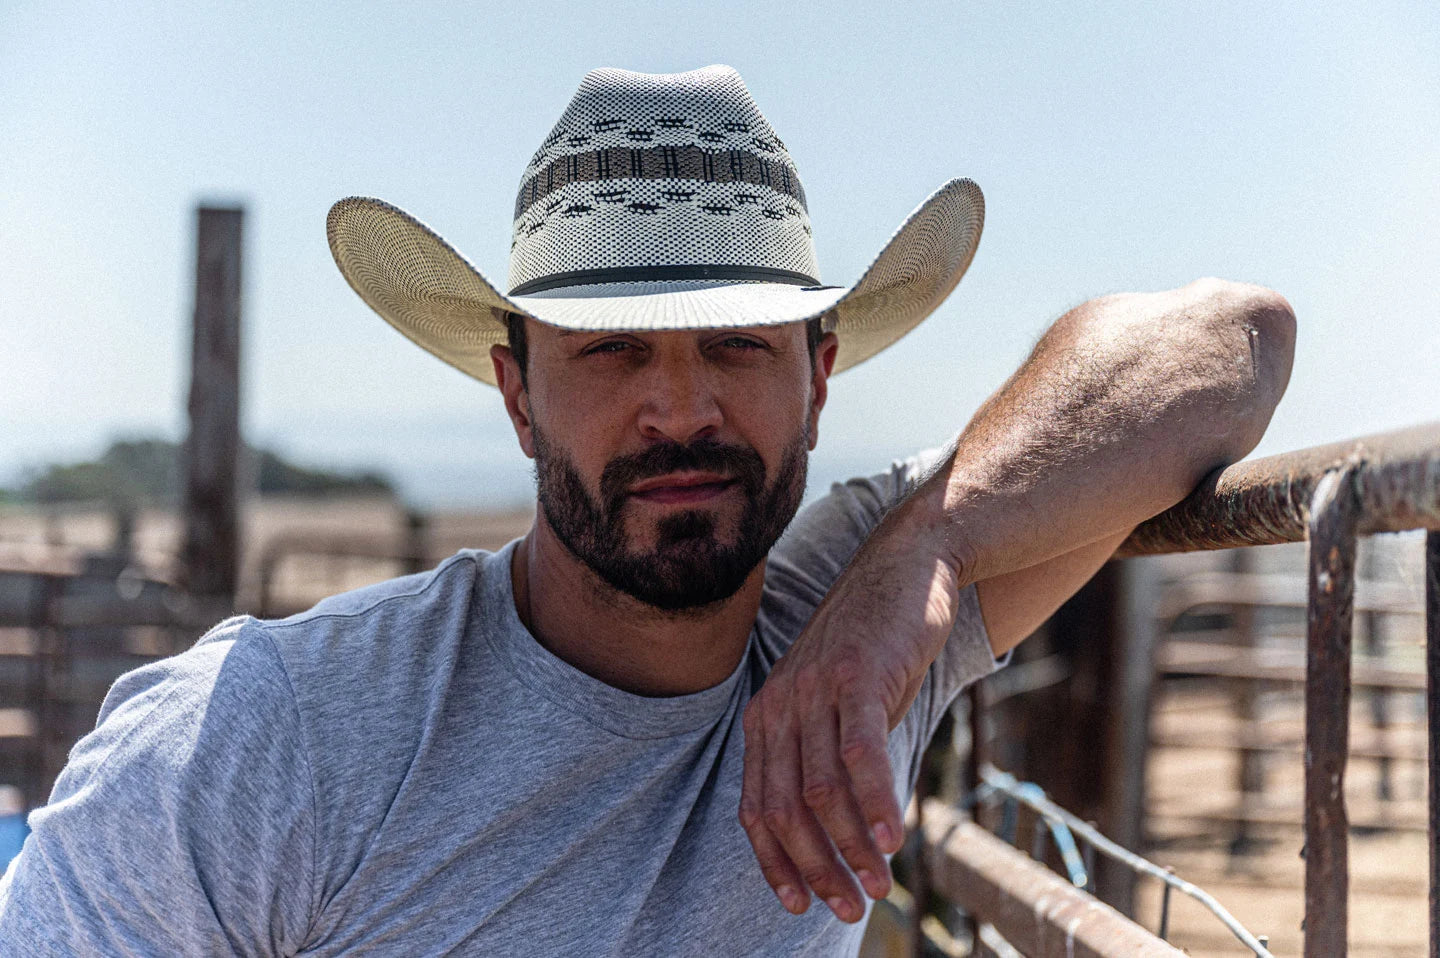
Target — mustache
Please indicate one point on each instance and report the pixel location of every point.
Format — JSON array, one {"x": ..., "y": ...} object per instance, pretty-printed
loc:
[{"x": 740, "y": 463}]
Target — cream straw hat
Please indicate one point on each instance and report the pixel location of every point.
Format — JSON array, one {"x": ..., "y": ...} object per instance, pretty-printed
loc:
[{"x": 659, "y": 201}]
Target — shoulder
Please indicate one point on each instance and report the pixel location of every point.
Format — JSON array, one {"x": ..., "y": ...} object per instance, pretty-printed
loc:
[
  {"x": 366, "y": 667},
  {"x": 193, "y": 724},
  {"x": 233, "y": 672},
  {"x": 192, "y": 798},
  {"x": 381, "y": 633},
  {"x": 421, "y": 594}
]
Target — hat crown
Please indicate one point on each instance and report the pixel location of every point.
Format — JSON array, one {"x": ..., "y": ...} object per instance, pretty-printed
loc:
[{"x": 661, "y": 176}]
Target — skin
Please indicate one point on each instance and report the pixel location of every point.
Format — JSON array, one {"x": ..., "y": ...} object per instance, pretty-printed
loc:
[
  {"x": 753, "y": 387},
  {"x": 1126, "y": 403}
]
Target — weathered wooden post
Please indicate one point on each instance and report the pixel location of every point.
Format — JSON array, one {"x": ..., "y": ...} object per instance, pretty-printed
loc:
[
  {"x": 1135, "y": 637},
  {"x": 1432, "y": 717},
  {"x": 1245, "y": 696},
  {"x": 1085, "y": 740},
  {"x": 210, "y": 552}
]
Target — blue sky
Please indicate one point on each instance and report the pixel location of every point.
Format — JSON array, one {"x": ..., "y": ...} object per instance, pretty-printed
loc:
[{"x": 1120, "y": 146}]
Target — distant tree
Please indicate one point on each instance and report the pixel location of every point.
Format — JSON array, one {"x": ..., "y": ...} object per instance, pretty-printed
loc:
[
  {"x": 136, "y": 471},
  {"x": 278, "y": 476},
  {"x": 150, "y": 465},
  {"x": 80, "y": 482}
]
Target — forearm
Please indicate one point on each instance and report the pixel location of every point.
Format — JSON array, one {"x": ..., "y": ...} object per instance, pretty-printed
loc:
[{"x": 1124, "y": 406}]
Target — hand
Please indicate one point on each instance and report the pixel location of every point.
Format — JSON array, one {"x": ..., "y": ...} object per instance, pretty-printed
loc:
[{"x": 817, "y": 777}]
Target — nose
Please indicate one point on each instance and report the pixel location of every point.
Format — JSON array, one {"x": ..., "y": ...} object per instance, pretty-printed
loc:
[{"x": 680, "y": 402}]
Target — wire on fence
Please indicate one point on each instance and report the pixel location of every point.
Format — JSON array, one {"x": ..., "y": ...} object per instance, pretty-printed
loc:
[{"x": 1064, "y": 827}]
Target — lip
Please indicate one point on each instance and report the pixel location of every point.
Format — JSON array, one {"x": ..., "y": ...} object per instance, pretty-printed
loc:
[{"x": 682, "y": 487}]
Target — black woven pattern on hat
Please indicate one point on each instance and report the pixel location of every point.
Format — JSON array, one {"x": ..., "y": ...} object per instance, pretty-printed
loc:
[
  {"x": 619, "y": 108},
  {"x": 685, "y": 162},
  {"x": 660, "y": 170},
  {"x": 627, "y": 222},
  {"x": 647, "y": 199}
]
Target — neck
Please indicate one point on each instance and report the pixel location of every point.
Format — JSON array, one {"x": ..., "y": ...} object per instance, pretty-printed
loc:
[{"x": 619, "y": 640}]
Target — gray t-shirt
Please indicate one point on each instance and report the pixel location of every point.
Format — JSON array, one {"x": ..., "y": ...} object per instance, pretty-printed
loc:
[{"x": 404, "y": 770}]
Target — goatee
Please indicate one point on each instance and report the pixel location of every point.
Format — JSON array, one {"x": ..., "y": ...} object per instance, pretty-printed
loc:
[{"x": 689, "y": 566}]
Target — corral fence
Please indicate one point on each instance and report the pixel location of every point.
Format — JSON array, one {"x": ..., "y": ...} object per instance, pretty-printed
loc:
[{"x": 1331, "y": 496}]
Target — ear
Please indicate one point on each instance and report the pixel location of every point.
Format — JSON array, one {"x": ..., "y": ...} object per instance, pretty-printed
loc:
[
  {"x": 825, "y": 353},
  {"x": 517, "y": 398}
]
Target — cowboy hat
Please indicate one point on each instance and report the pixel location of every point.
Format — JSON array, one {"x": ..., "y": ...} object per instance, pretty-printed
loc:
[{"x": 659, "y": 201}]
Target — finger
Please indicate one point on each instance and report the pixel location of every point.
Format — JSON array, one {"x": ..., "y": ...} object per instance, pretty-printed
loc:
[
  {"x": 827, "y": 792},
  {"x": 863, "y": 741},
  {"x": 793, "y": 825},
  {"x": 779, "y": 871}
]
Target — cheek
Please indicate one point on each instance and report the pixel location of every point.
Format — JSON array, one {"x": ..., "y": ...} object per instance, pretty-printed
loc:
[
  {"x": 774, "y": 414},
  {"x": 581, "y": 428}
]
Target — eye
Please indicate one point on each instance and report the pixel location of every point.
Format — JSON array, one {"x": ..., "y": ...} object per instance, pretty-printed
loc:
[
  {"x": 742, "y": 343},
  {"x": 608, "y": 347}
]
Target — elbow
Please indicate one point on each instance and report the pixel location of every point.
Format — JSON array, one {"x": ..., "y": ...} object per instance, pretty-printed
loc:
[{"x": 1257, "y": 327}]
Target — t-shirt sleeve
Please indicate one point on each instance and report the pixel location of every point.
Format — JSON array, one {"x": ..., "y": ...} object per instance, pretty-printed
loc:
[
  {"x": 183, "y": 824},
  {"x": 815, "y": 550}
]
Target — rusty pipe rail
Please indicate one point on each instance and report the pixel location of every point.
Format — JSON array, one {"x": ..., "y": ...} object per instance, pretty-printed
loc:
[
  {"x": 1034, "y": 909},
  {"x": 1394, "y": 476},
  {"x": 1330, "y": 495}
]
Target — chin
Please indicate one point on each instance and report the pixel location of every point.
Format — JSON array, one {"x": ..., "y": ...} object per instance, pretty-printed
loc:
[{"x": 684, "y": 529}]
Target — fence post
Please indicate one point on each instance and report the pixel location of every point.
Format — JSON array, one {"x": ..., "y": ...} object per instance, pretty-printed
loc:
[
  {"x": 210, "y": 551},
  {"x": 1246, "y": 693},
  {"x": 1333, "y": 519},
  {"x": 1432, "y": 700},
  {"x": 1127, "y": 733}
]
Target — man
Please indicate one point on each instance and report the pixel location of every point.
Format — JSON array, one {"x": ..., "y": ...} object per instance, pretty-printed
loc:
[{"x": 654, "y": 724}]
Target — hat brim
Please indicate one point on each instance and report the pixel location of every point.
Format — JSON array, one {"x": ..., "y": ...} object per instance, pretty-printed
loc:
[{"x": 432, "y": 294}]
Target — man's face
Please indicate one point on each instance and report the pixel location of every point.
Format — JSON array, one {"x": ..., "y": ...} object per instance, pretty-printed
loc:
[{"x": 669, "y": 462}]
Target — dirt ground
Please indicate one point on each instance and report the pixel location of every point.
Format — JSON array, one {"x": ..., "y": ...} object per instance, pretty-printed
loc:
[{"x": 1192, "y": 791}]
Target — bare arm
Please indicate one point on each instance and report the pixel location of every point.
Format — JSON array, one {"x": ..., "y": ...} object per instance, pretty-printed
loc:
[{"x": 1125, "y": 404}]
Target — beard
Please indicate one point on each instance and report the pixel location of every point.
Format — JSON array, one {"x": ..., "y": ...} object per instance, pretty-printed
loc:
[{"x": 689, "y": 566}]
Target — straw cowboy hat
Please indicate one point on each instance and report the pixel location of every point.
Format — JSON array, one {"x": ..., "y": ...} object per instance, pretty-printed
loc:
[{"x": 659, "y": 201}]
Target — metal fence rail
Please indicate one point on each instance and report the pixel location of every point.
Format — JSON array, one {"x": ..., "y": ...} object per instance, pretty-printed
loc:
[
  {"x": 1035, "y": 910},
  {"x": 1394, "y": 478},
  {"x": 1330, "y": 495}
]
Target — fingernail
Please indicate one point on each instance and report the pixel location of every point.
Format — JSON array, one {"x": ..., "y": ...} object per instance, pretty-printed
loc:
[
  {"x": 883, "y": 838},
  {"x": 787, "y": 897},
  {"x": 839, "y": 906},
  {"x": 869, "y": 882}
]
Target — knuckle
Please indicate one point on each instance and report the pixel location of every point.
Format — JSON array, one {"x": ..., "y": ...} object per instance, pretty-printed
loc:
[
  {"x": 853, "y": 850},
  {"x": 821, "y": 793},
  {"x": 808, "y": 678},
  {"x": 781, "y": 816},
  {"x": 848, "y": 672},
  {"x": 750, "y": 816},
  {"x": 1251, "y": 302},
  {"x": 819, "y": 877},
  {"x": 859, "y": 752}
]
